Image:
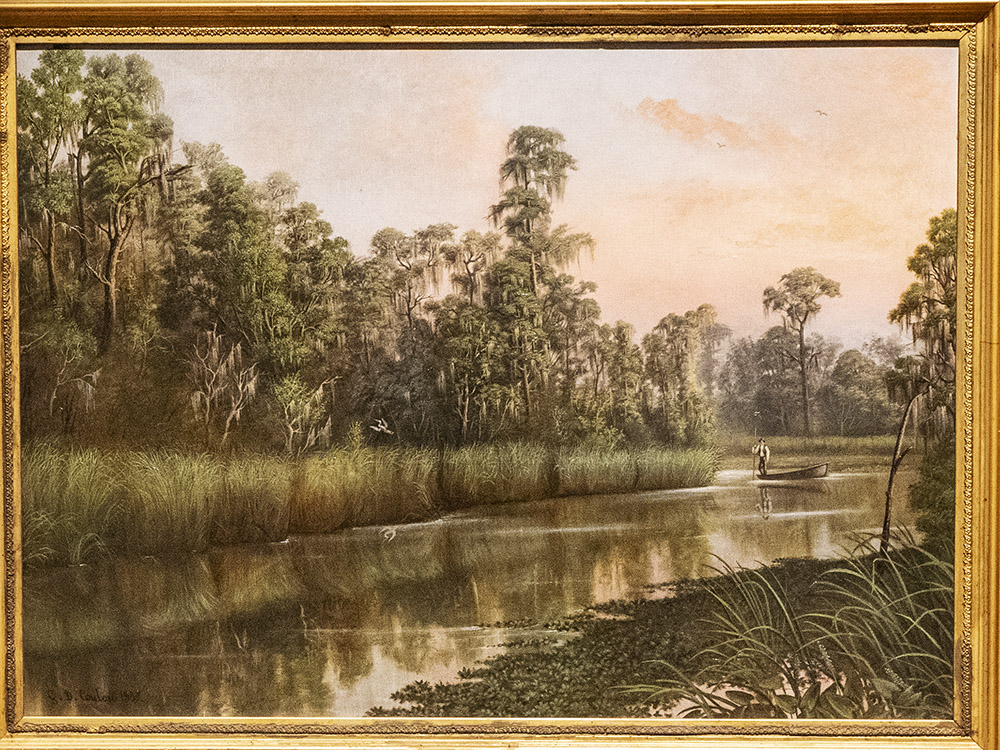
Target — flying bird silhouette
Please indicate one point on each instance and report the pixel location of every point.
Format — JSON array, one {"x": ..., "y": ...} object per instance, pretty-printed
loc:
[
  {"x": 720, "y": 145},
  {"x": 819, "y": 111}
]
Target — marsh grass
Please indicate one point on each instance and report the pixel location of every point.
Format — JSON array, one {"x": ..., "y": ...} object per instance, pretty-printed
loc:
[
  {"x": 871, "y": 638},
  {"x": 81, "y": 504},
  {"x": 585, "y": 471},
  {"x": 894, "y": 625},
  {"x": 361, "y": 487},
  {"x": 68, "y": 505},
  {"x": 167, "y": 501},
  {"x": 489, "y": 474},
  {"x": 253, "y": 502},
  {"x": 820, "y": 445},
  {"x": 659, "y": 469}
]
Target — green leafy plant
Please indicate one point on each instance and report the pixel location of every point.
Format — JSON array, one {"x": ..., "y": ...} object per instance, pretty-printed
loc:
[{"x": 870, "y": 638}]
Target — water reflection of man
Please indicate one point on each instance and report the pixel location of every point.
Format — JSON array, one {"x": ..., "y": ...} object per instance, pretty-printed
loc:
[
  {"x": 764, "y": 506},
  {"x": 763, "y": 454}
]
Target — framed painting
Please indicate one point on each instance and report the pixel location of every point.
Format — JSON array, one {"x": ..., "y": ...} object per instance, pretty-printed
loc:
[{"x": 499, "y": 374}]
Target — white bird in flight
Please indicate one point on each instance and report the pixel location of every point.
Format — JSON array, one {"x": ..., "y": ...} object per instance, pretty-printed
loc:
[{"x": 380, "y": 426}]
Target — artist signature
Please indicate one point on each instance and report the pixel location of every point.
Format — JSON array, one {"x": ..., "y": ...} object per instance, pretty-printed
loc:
[{"x": 93, "y": 696}]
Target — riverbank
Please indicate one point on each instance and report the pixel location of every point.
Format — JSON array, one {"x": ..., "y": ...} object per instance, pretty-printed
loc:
[
  {"x": 361, "y": 613},
  {"x": 796, "y": 450},
  {"x": 79, "y": 505},
  {"x": 860, "y": 637}
]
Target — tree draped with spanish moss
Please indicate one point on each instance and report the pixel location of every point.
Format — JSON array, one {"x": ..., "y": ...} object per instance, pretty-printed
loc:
[{"x": 796, "y": 299}]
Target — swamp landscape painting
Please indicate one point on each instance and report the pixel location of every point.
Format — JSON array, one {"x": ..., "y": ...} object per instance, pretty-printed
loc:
[{"x": 500, "y": 382}]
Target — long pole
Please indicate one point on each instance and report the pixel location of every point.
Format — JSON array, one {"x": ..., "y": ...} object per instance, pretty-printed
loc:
[{"x": 753, "y": 456}]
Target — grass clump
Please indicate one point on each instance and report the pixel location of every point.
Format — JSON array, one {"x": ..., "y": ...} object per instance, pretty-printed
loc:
[
  {"x": 362, "y": 487},
  {"x": 78, "y": 504},
  {"x": 817, "y": 445},
  {"x": 253, "y": 502},
  {"x": 870, "y": 639},
  {"x": 68, "y": 504},
  {"x": 168, "y": 501},
  {"x": 585, "y": 471},
  {"x": 659, "y": 469},
  {"x": 488, "y": 474}
]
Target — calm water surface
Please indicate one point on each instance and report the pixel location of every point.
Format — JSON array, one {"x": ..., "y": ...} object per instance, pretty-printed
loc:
[{"x": 332, "y": 625}]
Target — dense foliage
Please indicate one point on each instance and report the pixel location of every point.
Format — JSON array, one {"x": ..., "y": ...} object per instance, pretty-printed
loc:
[
  {"x": 169, "y": 302},
  {"x": 933, "y": 497}
]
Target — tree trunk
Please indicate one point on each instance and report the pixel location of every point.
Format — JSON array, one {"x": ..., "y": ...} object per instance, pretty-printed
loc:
[
  {"x": 527, "y": 389},
  {"x": 50, "y": 257},
  {"x": 464, "y": 415},
  {"x": 804, "y": 378},
  {"x": 897, "y": 458},
  {"x": 81, "y": 217},
  {"x": 110, "y": 282}
]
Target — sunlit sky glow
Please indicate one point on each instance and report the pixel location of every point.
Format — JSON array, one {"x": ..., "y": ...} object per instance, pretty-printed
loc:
[{"x": 704, "y": 174}]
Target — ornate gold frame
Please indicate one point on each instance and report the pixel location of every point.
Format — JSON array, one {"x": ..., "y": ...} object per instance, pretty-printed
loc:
[{"x": 973, "y": 26}]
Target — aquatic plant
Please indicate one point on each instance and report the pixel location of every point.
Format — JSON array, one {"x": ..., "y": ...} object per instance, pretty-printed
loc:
[
  {"x": 585, "y": 471},
  {"x": 80, "y": 503},
  {"x": 68, "y": 500},
  {"x": 871, "y": 638},
  {"x": 167, "y": 501},
  {"x": 361, "y": 487},
  {"x": 661, "y": 469},
  {"x": 253, "y": 501},
  {"x": 487, "y": 474}
]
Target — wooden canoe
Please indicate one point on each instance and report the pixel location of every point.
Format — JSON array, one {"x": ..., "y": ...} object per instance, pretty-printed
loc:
[{"x": 810, "y": 472}]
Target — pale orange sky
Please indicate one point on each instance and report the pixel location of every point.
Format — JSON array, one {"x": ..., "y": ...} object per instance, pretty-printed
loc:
[{"x": 704, "y": 174}]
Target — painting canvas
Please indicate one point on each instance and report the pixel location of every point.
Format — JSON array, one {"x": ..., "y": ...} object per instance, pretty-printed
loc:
[{"x": 504, "y": 382}]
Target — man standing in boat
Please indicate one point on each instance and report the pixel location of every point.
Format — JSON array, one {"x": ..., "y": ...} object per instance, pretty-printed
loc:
[{"x": 763, "y": 454}]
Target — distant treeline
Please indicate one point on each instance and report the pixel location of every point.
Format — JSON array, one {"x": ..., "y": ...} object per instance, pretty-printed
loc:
[{"x": 171, "y": 303}]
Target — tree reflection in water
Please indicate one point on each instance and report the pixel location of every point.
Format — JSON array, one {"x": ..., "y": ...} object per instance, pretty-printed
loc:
[{"x": 331, "y": 625}]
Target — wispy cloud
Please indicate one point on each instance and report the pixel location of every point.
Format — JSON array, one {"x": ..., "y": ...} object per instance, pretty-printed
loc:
[{"x": 694, "y": 128}]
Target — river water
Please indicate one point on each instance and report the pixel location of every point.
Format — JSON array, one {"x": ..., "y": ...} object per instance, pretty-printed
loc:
[{"x": 331, "y": 625}]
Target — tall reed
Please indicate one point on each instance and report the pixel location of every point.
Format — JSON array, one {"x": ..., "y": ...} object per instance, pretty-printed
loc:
[
  {"x": 253, "y": 501},
  {"x": 894, "y": 625},
  {"x": 870, "y": 638},
  {"x": 586, "y": 471},
  {"x": 167, "y": 501},
  {"x": 68, "y": 504},
  {"x": 488, "y": 474},
  {"x": 361, "y": 487},
  {"x": 78, "y": 504},
  {"x": 664, "y": 469}
]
